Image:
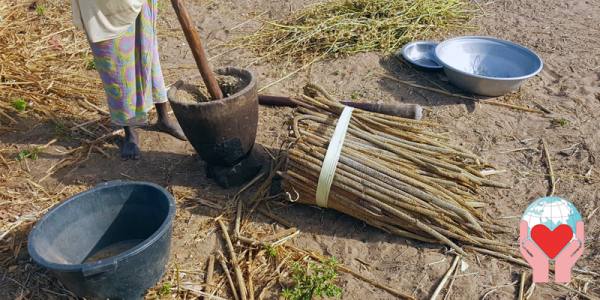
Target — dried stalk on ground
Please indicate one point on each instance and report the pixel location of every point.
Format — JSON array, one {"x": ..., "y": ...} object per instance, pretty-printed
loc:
[
  {"x": 234, "y": 260},
  {"x": 550, "y": 169},
  {"x": 222, "y": 261},
  {"x": 444, "y": 280}
]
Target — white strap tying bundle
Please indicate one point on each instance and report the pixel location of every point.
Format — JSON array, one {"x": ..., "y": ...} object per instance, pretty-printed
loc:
[{"x": 334, "y": 150}]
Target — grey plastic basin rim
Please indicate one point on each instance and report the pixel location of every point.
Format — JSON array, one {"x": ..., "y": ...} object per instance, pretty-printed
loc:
[
  {"x": 108, "y": 264},
  {"x": 537, "y": 71}
]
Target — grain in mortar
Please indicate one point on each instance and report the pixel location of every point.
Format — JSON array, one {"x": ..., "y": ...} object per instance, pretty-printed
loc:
[{"x": 194, "y": 90}]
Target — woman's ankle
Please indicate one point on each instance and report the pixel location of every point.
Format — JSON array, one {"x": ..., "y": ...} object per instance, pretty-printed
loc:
[
  {"x": 130, "y": 134},
  {"x": 162, "y": 111}
]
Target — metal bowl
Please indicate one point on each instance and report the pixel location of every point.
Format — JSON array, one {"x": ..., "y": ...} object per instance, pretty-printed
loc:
[
  {"x": 421, "y": 54},
  {"x": 487, "y": 66}
]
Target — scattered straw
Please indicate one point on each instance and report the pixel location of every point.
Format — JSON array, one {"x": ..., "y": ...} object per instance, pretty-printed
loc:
[{"x": 201, "y": 293}]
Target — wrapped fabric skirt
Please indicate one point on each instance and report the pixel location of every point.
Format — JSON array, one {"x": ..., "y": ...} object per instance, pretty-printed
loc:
[{"x": 130, "y": 70}]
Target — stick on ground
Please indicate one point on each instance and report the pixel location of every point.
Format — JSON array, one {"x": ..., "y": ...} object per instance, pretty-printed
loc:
[
  {"x": 234, "y": 261},
  {"x": 522, "y": 286},
  {"x": 209, "y": 273},
  {"x": 223, "y": 263},
  {"x": 550, "y": 169},
  {"x": 444, "y": 280}
]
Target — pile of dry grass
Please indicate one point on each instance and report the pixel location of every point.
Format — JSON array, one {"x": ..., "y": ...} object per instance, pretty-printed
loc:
[
  {"x": 45, "y": 62},
  {"x": 345, "y": 27}
]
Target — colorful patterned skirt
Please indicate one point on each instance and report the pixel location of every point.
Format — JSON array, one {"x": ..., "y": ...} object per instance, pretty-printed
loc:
[{"x": 130, "y": 70}]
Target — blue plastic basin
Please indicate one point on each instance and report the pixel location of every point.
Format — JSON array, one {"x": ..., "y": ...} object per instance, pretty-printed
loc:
[{"x": 111, "y": 242}]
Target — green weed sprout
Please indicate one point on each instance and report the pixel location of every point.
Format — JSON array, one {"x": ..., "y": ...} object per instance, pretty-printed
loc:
[
  {"x": 313, "y": 280},
  {"x": 90, "y": 64},
  {"x": 19, "y": 104},
  {"x": 40, "y": 9},
  {"x": 28, "y": 153},
  {"x": 165, "y": 289}
]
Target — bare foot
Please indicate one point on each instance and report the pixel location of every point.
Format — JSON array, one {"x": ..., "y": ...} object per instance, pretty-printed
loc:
[
  {"x": 130, "y": 148},
  {"x": 171, "y": 127},
  {"x": 166, "y": 124}
]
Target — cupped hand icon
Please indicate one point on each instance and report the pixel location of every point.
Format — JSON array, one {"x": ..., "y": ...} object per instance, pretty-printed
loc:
[
  {"x": 565, "y": 260},
  {"x": 539, "y": 262},
  {"x": 532, "y": 253}
]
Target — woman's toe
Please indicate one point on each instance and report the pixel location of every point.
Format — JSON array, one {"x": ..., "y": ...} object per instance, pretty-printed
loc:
[{"x": 171, "y": 127}]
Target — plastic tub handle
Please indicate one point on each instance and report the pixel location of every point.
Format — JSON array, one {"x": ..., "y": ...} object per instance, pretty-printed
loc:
[{"x": 96, "y": 269}]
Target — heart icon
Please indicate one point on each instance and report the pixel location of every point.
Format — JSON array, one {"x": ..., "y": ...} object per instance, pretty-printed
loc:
[{"x": 551, "y": 241}]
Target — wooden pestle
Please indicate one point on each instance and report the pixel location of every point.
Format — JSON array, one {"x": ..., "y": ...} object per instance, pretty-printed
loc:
[
  {"x": 193, "y": 38},
  {"x": 410, "y": 111}
]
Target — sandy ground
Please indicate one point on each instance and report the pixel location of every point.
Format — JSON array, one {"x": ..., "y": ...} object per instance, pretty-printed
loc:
[{"x": 564, "y": 33}]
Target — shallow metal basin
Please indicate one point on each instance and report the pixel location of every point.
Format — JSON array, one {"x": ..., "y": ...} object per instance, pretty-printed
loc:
[
  {"x": 421, "y": 54},
  {"x": 487, "y": 66}
]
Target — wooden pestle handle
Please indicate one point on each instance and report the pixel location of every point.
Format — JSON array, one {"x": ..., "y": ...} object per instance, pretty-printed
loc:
[
  {"x": 411, "y": 111},
  {"x": 193, "y": 38},
  {"x": 404, "y": 110}
]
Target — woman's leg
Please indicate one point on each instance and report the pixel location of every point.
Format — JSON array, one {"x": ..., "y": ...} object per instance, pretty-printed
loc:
[
  {"x": 115, "y": 62},
  {"x": 130, "y": 148},
  {"x": 133, "y": 81},
  {"x": 159, "y": 92},
  {"x": 166, "y": 124}
]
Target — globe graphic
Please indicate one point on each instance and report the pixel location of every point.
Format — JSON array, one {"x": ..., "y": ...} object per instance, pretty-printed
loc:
[{"x": 552, "y": 212}]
